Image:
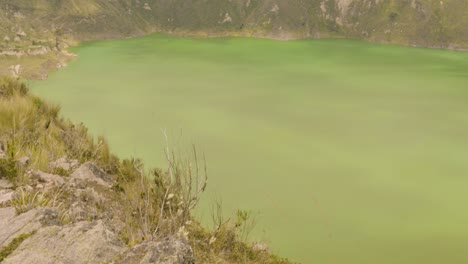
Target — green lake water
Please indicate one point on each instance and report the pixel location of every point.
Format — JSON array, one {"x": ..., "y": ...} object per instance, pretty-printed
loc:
[{"x": 345, "y": 151}]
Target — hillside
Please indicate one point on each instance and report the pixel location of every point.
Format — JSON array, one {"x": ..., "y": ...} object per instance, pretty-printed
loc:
[
  {"x": 45, "y": 29},
  {"x": 64, "y": 198}
]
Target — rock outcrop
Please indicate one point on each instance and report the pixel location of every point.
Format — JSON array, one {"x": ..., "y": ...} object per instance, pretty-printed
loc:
[
  {"x": 420, "y": 22},
  {"x": 49, "y": 180},
  {"x": 89, "y": 172},
  {"x": 84, "y": 229},
  {"x": 12, "y": 225},
  {"x": 82, "y": 242}
]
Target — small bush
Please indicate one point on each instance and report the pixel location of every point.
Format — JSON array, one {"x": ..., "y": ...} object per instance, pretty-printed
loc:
[
  {"x": 26, "y": 200},
  {"x": 10, "y": 87},
  {"x": 159, "y": 204},
  {"x": 129, "y": 170}
]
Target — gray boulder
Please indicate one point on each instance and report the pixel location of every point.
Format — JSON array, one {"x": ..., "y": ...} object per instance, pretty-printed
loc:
[
  {"x": 5, "y": 184},
  {"x": 90, "y": 172},
  {"x": 50, "y": 180},
  {"x": 12, "y": 225},
  {"x": 6, "y": 195},
  {"x": 82, "y": 242}
]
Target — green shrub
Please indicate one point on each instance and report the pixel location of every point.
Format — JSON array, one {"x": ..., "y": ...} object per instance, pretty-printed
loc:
[
  {"x": 129, "y": 170},
  {"x": 8, "y": 169}
]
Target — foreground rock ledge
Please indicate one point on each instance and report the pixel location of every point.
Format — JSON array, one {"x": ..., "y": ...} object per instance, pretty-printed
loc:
[
  {"x": 44, "y": 239},
  {"x": 82, "y": 242}
]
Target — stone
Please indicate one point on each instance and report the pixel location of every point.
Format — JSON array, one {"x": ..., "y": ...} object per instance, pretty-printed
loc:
[
  {"x": 171, "y": 250},
  {"x": 6, "y": 195},
  {"x": 90, "y": 172},
  {"x": 41, "y": 50},
  {"x": 146, "y": 6},
  {"x": 6, "y": 214},
  {"x": 6, "y": 184},
  {"x": 17, "y": 54},
  {"x": 15, "y": 70},
  {"x": 6, "y": 39},
  {"x": 275, "y": 9},
  {"x": 259, "y": 247},
  {"x": 12, "y": 225},
  {"x": 49, "y": 179},
  {"x": 65, "y": 164},
  {"x": 82, "y": 242},
  {"x": 227, "y": 18},
  {"x": 21, "y": 33}
]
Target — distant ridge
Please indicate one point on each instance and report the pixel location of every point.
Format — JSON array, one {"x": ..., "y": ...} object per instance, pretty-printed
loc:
[{"x": 36, "y": 27}]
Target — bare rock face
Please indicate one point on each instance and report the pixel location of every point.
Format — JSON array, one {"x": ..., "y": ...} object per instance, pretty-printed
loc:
[
  {"x": 83, "y": 242},
  {"x": 38, "y": 51},
  {"x": 89, "y": 172},
  {"x": 87, "y": 204},
  {"x": 171, "y": 250},
  {"x": 6, "y": 214},
  {"x": 12, "y": 225}
]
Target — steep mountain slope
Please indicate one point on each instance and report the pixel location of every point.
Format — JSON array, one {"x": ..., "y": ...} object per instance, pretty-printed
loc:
[
  {"x": 419, "y": 22},
  {"x": 39, "y": 26}
]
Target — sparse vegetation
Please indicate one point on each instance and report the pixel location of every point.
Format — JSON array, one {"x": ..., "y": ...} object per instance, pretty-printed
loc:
[
  {"x": 8, "y": 166},
  {"x": 26, "y": 200},
  {"x": 14, "y": 244},
  {"x": 31, "y": 127},
  {"x": 152, "y": 204}
]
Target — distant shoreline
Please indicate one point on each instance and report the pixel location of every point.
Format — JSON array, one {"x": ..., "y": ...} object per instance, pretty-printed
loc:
[{"x": 55, "y": 60}]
